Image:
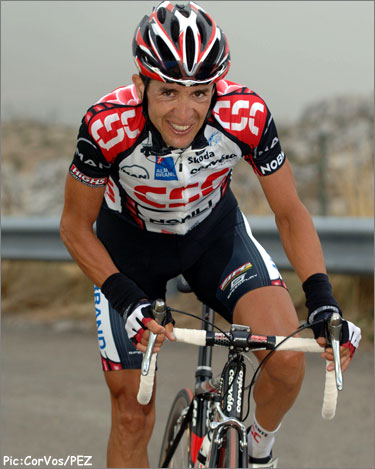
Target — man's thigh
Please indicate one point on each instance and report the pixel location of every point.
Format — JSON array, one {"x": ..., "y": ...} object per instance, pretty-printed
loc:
[
  {"x": 234, "y": 266},
  {"x": 268, "y": 311}
]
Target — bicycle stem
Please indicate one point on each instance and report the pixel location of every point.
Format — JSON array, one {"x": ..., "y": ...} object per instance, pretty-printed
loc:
[{"x": 159, "y": 310}]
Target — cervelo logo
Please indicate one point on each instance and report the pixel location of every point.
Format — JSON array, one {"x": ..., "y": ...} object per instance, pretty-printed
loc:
[
  {"x": 114, "y": 122},
  {"x": 230, "y": 398},
  {"x": 235, "y": 110},
  {"x": 177, "y": 195}
]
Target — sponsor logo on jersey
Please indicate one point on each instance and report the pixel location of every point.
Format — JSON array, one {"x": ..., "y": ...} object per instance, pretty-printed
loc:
[
  {"x": 163, "y": 197},
  {"x": 214, "y": 139},
  {"x": 90, "y": 181},
  {"x": 165, "y": 169},
  {"x": 273, "y": 165},
  {"x": 135, "y": 171},
  {"x": 178, "y": 221},
  {"x": 235, "y": 274},
  {"x": 222, "y": 160},
  {"x": 85, "y": 145},
  {"x": 242, "y": 110}
]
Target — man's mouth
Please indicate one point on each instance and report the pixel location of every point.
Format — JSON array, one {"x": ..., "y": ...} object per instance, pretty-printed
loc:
[{"x": 180, "y": 128}]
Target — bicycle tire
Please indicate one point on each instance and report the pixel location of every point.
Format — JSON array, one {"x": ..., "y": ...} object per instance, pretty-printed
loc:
[
  {"x": 229, "y": 456},
  {"x": 181, "y": 458}
]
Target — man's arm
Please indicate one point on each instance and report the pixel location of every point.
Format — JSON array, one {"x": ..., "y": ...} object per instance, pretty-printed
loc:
[
  {"x": 297, "y": 232},
  {"x": 302, "y": 246},
  {"x": 81, "y": 207}
]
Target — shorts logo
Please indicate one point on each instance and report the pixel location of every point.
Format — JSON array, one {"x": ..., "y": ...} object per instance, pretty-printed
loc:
[
  {"x": 165, "y": 169},
  {"x": 235, "y": 274},
  {"x": 239, "y": 281}
]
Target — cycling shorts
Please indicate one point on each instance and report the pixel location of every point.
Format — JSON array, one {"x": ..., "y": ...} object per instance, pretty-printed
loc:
[{"x": 221, "y": 261}]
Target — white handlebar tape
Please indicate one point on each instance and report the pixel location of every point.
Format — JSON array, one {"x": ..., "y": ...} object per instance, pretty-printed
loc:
[
  {"x": 190, "y": 336},
  {"x": 297, "y": 344},
  {"x": 330, "y": 389},
  {"x": 330, "y": 395},
  {"x": 198, "y": 337},
  {"x": 146, "y": 384}
]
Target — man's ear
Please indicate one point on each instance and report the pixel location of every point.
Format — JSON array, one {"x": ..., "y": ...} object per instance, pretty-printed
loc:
[{"x": 139, "y": 85}]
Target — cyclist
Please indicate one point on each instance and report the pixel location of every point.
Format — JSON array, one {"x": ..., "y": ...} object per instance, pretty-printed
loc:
[{"x": 152, "y": 167}]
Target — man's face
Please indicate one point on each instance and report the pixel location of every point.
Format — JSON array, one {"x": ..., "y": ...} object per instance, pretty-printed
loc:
[{"x": 177, "y": 111}]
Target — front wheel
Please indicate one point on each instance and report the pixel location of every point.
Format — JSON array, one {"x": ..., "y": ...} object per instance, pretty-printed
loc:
[
  {"x": 229, "y": 454},
  {"x": 181, "y": 458}
]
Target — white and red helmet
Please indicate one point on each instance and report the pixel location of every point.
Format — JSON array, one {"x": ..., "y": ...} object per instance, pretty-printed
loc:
[{"x": 181, "y": 44}]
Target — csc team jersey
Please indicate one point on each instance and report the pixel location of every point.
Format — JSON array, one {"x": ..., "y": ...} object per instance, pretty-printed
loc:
[{"x": 168, "y": 190}]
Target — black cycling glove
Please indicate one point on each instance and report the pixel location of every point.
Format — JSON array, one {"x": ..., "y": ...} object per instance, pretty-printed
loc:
[{"x": 321, "y": 304}]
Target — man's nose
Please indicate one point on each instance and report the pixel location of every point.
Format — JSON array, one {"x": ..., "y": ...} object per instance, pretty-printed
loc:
[{"x": 184, "y": 110}]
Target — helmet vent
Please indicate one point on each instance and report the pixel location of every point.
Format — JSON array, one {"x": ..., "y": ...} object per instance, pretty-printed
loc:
[
  {"x": 146, "y": 37},
  {"x": 164, "y": 51},
  {"x": 206, "y": 17},
  {"x": 212, "y": 56},
  {"x": 183, "y": 10},
  {"x": 190, "y": 49},
  {"x": 202, "y": 33},
  {"x": 175, "y": 30},
  {"x": 162, "y": 15}
]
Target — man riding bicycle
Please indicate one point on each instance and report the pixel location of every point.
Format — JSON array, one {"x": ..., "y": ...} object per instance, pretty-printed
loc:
[{"x": 152, "y": 167}]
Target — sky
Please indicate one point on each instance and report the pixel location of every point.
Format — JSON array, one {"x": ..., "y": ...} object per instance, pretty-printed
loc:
[{"x": 60, "y": 57}]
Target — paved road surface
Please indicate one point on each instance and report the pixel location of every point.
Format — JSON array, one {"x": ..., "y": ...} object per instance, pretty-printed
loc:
[{"x": 55, "y": 403}]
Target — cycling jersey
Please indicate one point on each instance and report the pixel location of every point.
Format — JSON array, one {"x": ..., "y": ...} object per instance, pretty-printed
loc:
[{"x": 167, "y": 190}]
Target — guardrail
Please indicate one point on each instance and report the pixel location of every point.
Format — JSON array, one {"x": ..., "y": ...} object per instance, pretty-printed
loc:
[{"x": 348, "y": 243}]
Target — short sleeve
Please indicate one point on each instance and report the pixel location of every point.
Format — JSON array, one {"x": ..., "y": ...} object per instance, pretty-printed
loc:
[
  {"x": 89, "y": 165},
  {"x": 267, "y": 157}
]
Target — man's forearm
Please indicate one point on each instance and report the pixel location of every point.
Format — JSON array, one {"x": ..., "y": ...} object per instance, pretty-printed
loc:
[
  {"x": 301, "y": 244},
  {"x": 89, "y": 253}
]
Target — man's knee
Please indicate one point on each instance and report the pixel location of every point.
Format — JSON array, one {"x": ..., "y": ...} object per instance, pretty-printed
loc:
[
  {"x": 286, "y": 368},
  {"x": 129, "y": 418}
]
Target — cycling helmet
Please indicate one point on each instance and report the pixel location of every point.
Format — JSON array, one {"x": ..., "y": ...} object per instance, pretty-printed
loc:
[{"x": 181, "y": 44}]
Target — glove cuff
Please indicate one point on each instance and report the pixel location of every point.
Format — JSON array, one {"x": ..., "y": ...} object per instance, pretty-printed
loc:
[
  {"x": 121, "y": 292},
  {"x": 318, "y": 291}
]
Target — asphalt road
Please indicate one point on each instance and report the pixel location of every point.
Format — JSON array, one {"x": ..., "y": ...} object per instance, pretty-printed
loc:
[{"x": 55, "y": 403}]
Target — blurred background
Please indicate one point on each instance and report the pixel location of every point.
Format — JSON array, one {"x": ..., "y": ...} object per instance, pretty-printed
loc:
[{"x": 313, "y": 63}]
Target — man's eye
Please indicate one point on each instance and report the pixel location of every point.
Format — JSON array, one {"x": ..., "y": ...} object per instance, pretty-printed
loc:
[
  {"x": 200, "y": 94},
  {"x": 167, "y": 93}
]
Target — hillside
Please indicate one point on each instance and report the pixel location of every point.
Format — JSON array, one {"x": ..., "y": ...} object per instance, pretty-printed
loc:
[{"x": 35, "y": 158}]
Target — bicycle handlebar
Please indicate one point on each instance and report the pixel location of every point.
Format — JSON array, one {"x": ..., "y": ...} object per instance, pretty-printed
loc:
[{"x": 202, "y": 338}]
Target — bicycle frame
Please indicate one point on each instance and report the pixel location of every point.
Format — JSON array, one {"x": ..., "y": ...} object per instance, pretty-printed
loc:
[{"x": 228, "y": 409}]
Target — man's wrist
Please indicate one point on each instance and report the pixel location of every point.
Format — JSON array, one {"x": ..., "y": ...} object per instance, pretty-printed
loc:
[
  {"x": 121, "y": 292},
  {"x": 318, "y": 291}
]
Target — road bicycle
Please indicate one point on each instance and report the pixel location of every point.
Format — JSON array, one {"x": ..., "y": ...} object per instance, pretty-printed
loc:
[{"x": 205, "y": 427}]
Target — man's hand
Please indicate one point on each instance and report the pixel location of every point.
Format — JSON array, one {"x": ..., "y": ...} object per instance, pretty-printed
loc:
[
  {"x": 349, "y": 341},
  {"x": 140, "y": 320}
]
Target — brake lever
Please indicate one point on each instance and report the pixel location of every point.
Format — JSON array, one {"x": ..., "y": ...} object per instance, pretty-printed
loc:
[
  {"x": 159, "y": 310},
  {"x": 334, "y": 329}
]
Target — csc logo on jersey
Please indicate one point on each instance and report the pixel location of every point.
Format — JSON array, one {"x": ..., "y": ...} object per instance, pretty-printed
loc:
[
  {"x": 248, "y": 114},
  {"x": 164, "y": 197},
  {"x": 110, "y": 129}
]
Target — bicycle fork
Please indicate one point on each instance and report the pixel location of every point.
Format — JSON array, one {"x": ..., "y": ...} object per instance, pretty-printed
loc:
[{"x": 218, "y": 428}]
